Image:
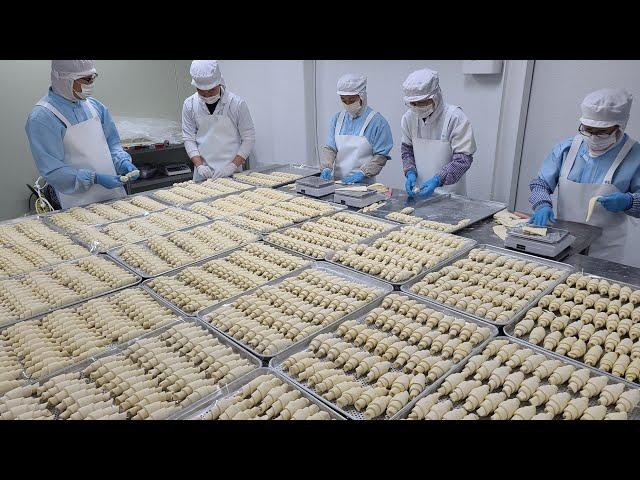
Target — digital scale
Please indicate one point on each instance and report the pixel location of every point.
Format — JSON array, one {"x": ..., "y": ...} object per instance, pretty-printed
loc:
[
  {"x": 357, "y": 199},
  {"x": 315, "y": 186},
  {"x": 175, "y": 169},
  {"x": 551, "y": 245}
]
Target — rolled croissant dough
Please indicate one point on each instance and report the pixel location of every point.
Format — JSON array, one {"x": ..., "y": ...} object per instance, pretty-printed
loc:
[
  {"x": 542, "y": 231},
  {"x": 592, "y": 204}
]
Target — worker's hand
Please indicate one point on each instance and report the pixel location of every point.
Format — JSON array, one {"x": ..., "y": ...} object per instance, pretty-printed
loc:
[
  {"x": 429, "y": 187},
  {"x": 410, "y": 183},
  {"x": 326, "y": 174},
  {"x": 542, "y": 216},
  {"x": 616, "y": 202},
  {"x": 355, "y": 177},
  {"x": 238, "y": 160},
  {"x": 226, "y": 171},
  {"x": 204, "y": 171},
  {"x": 108, "y": 181},
  {"x": 127, "y": 167}
]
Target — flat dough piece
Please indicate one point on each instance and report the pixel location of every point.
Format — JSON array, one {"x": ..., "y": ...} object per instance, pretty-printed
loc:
[
  {"x": 359, "y": 188},
  {"x": 592, "y": 204},
  {"x": 542, "y": 231},
  {"x": 500, "y": 231}
]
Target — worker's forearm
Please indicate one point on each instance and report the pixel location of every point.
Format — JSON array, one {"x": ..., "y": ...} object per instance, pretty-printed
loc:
[
  {"x": 634, "y": 211},
  {"x": 374, "y": 166},
  {"x": 408, "y": 160},
  {"x": 327, "y": 157},
  {"x": 197, "y": 160},
  {"x": 540, "y": 193},
  {"x": 453, "y": 171},
  {"x": 239, "y": 160}
]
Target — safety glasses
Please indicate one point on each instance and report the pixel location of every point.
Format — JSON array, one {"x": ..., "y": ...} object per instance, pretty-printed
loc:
[
  {"x": 598, "y": 133},
  {"x": 88, "y": 79}
]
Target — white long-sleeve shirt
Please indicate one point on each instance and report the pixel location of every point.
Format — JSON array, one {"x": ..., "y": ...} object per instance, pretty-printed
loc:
[{"x": 194, "y": 109}]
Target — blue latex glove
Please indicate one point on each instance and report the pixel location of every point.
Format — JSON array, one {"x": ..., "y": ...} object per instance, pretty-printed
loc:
[
  {"x": 326, "y": 174},
  {"x": 410, "y": 183},
  {"x": 429, "y": 187},
  {"x": 108, "y": 181},
  {"x": 355, "y": 177},
  {"x": 127, "y": 167},
  {"x": 616, "y": 202},
  {"x": 542, "y": 216}
]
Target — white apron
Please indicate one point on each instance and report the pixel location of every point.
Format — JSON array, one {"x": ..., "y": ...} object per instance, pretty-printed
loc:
[
  {"x": 353, "y": 150},
  {"x": 85, "y": 146},
  {"x": 218, "y": 139},
  {"x": 432, "y": 155},
  {"x": 573, "y": 205}
]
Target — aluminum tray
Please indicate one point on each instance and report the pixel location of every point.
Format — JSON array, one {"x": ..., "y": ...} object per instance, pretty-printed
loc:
[
  {"x": 446, "y": 208},
  {"x": 509, "y": 331},
  {"x": 200, "y": 263},
  {"x": 331, "y": 269},
  {"x": 406, "y": 288},
  {"x": 391, "y": 224},
  {"x": 103, "y": 350},
  {"x": 79, "y": 367},
  {"x": 196, "y": 411},
  {"x": 633, "y": 415},
  {"x": 11, "y": 322},
  {"x": 459, "y": 253},
  {"x": 303, "y": 170},
  {"x": 185, "y": 205},
  {"x": 351, "y": 412},
  {"x": 114, "y": 252}
]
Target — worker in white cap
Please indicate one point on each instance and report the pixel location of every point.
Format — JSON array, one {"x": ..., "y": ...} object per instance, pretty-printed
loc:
[
  {"x": 437, "y": 139},
  {"x": 600, "y": 161},
  {"x": 74, "y": 141},
  {"x": 359, "y": 140},
  {"x": 217, "y": 128}
]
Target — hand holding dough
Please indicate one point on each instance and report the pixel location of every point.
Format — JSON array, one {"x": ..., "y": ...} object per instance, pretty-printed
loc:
[{"x": 592, "y": 204}]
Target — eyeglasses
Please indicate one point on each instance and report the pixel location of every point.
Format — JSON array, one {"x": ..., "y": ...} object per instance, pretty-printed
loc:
[
  {"x": 600, "y": 133},
  {"x": 89, "y": 78}
]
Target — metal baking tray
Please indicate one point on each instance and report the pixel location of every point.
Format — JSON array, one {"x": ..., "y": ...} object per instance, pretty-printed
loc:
[
  {"x": 107, "y": 348},
  {"x": 445, "y": 208},
  {"x": 202, "y": 262},
  {"x": 331, "y": 269},
  {"x": 200, "y": 408},
  {"x": 282, "y": 230},
  {"x": 114, "y": 253},
  {"x": 298, "y": 169},
  {"x": 568, "y": 269},
  {"x": 509, "y": 330},
  {"x": 360, "y": 315},
  {"x": 137, "y": 281},
  {"x": 633, "y": 415},
  {"x": 470, "y": 244},
  {"x": 189, "y": 202},
  {"x": 79, "y": 367}
]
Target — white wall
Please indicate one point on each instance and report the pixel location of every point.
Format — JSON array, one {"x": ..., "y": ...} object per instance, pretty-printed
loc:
[
  {"x": 478, "y": 95},
  {"x": 128, "y": 87},
  {"x": 558, "y": 88}
]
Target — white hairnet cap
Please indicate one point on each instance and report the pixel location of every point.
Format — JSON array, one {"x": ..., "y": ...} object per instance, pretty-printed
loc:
[
  {"x": 72, "y": 69},
  {"x": 206, "y": 74},
  {"x": 420, "y": 85},
  {"x": 606, "y": 107},
  {"x": 352, "y": 84}
]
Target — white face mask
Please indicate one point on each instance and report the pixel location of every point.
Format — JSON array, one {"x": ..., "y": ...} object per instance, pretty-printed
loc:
[
  {"x": 210, "y": 100},
  {"x": 599, "y": 145},
  {"x": 422, "y": 112},
  {"x": 85, "y": 91},
  {"x": 353, "y": 108}
]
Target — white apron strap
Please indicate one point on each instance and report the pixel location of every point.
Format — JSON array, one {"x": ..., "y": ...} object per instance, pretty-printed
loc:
[
  {"x": 339, "y": 123},
  {"x": 92, "y": 110},
  {"x": 628, "y": 145},
  {"x": 225, "y": 105},
  {"x": 445, "y": 126},
  {"x": 569, "y": 160},
  {"x": 55, "y": 111},
  {"x": 367, "y": 121}
]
